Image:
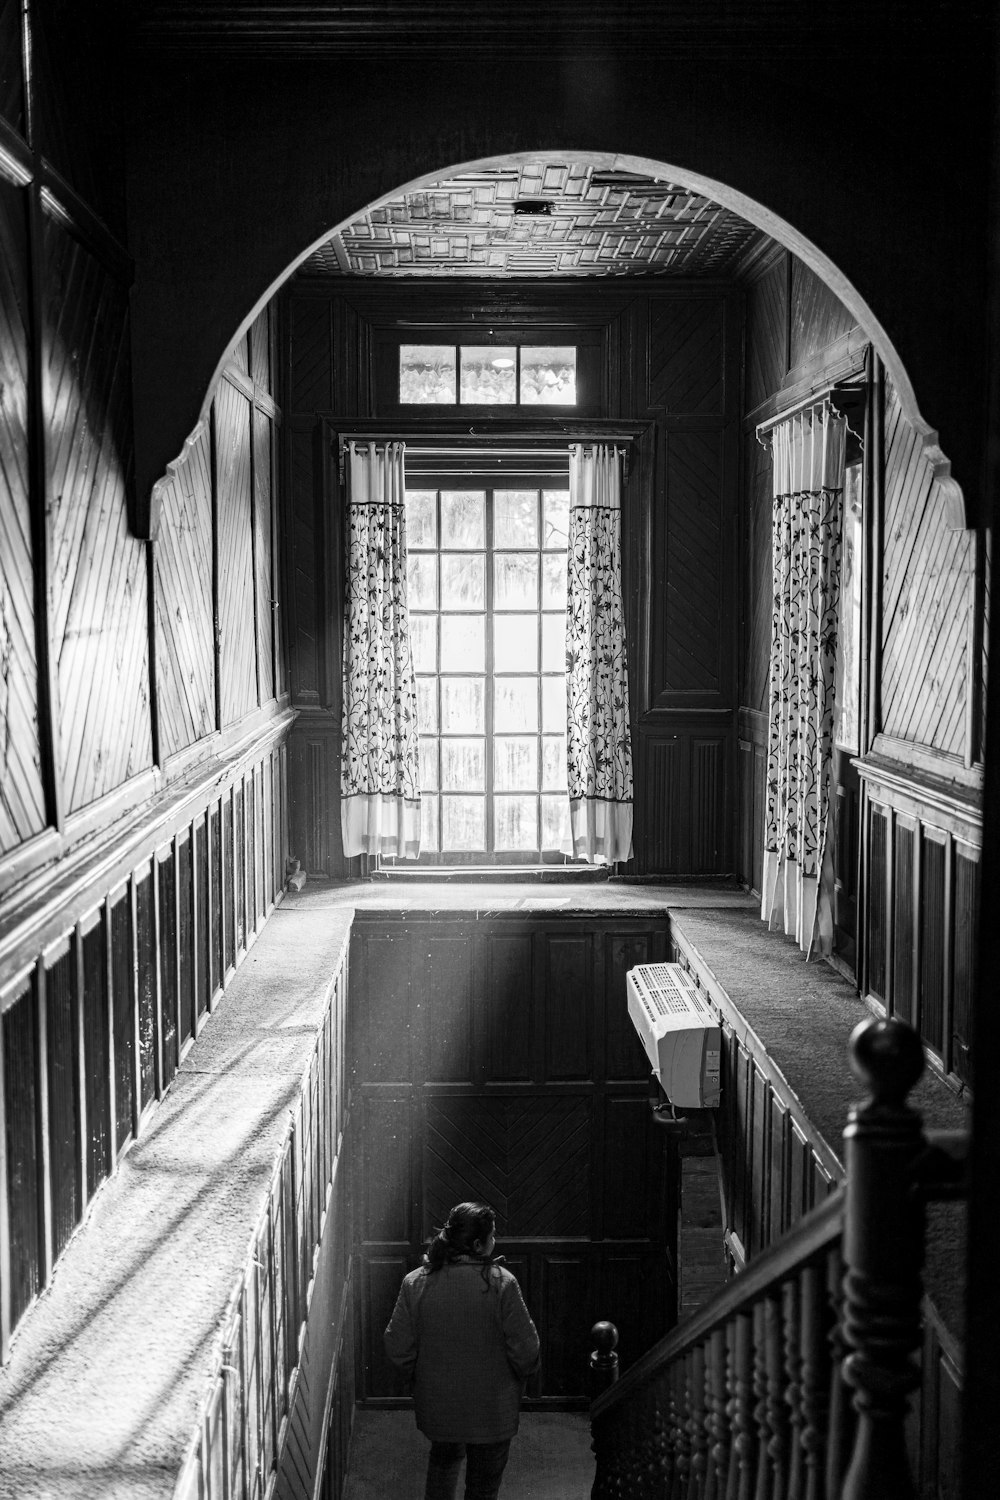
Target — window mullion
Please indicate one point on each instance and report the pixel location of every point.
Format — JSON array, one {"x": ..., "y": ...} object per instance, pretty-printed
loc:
[{"x": 488, "y": 686}]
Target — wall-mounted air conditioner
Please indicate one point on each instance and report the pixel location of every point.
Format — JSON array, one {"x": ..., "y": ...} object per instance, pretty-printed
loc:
[{"x": 679, "y": 1031}]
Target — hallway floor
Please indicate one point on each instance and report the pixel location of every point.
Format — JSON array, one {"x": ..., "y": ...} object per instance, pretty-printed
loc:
[{"x": 550, "y": 1459}]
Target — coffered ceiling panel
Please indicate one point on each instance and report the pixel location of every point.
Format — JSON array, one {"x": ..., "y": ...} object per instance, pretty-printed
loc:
[{"x": 541, "y": 218}]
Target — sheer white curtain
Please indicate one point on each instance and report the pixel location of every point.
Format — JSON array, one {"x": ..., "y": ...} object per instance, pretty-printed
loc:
[
  {"x": 807, "y": 452},
  {"x": 598, "y": 746},
  {"x": 379, "y": 776}
]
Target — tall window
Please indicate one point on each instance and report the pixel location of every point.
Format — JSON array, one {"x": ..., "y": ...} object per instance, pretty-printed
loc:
[{"x": 487, "y": 606}]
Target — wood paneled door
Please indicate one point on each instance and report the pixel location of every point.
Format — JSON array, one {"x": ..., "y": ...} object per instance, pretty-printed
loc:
[{"x": 496, "y": 1061}]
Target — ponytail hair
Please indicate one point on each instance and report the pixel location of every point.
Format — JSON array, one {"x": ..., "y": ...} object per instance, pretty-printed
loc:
[{"x": 467, "y": 1223}]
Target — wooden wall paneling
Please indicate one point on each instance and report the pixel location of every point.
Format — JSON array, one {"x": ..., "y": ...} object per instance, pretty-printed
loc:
[
  {"x": 261, "y": 339},
  {"x": 11, "y": 70},
  {"x": 98, "y": 569},
  {"x": 779, "y": 1130},
  {"x": 446, "y": 967},
  {"x": 758, "y": 1224},
  {"x": 711, "y": 836},
  {"x": 935, "y": 939},
  {"x": 632, "y": 1168},
  {"x": 217, "y": 901},
  {"x": 22, "y": 792},
  {"x": 767, "y": 332},
  {"x": 185, "y": 629},
  {"x": 234, "y": 505},
  {"x": 566, "y": 1303},
  {"x": 174, "y": 944},
  {"x": 145, "y": 941},
  {"x": 264, "y": 559},
  {"x": 568, "y": 965},
  {"x": 686, "y": 346},
  {"x": 381, "y": 1277},
  {"x": 878, "y": 944},
  {"x": 929, "y": 592},
  {"x": 97, "y": 1052},
  {"x": 966, "y": 908},
  {"x": 21, "y": 1255},
  {"x": 310, "y": 354},
  {"x": 905, "y": 919},
  {"x": 665, "y": 837},
  {"x": 817, "y": 316},
  {"x": 800, "y": 1175},
  {"x": 688, "y": 650},
  {"x": 62, "y": 1080},
  {"x": 510, "y": 1019},
  {"x": 303, "y": 560},
  {"x": 122, "y": 1010}
]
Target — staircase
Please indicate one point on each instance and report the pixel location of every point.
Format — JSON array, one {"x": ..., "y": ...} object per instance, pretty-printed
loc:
[{"x": 794, "y": 1382}]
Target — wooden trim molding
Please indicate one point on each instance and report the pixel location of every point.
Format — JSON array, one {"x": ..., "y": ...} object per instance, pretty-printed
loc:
[{"x": 932, "y": 787}]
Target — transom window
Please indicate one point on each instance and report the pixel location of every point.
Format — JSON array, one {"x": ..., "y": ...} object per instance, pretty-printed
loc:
[
  {"x": 487, "y": 375},
  {"x": 487, "y": 606}
]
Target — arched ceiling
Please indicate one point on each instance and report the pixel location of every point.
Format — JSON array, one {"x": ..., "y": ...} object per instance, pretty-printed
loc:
[{"x": 541, "y": 218}]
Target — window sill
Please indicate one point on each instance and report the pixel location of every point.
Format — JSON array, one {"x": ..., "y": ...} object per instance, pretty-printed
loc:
[{"x": 495, "y": 874}]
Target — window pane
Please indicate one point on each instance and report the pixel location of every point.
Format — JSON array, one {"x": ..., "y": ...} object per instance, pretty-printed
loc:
[
  {"x": 462, "y": 580},
  {"x": 555, "y": 824},
  {"x": 488, "y": 377},
  {"x": 426, "y": 374},
  {"x": 515, "y": 643},
  {"x": 427, "y": 705},
  {"x": 463, "y": 708},
  {"x": 515, "y": 518},
  {"x": 553, "y": 580},
  {"x": 463, "y": 765},
  {"x": 554, "y": 778},
  {"x": 515, "y": 822},
  {"x": 554, "y": 705},
  {"x": 421, "y": 580},
  {"x": 548, "y": 377},
  {"x": 515, "y": 580},
  {"x": 515, "y": 763},
  {"x": 463, "y": 643},
  {"x": 555, "y": 518},
  {"x": 553, "y": 643},
  {"x": 428, "y": 764},
  {"x": 515, "y": 703},
  {"x": 462, "y": 518},
  {"x": 423, "y": 642},
  {"x": 421, "y": 518},
  {"x": 463, "y": 823},
  {"x": 429, "y": 824}
]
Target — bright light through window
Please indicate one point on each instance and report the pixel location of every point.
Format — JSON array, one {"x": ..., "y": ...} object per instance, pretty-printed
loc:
[
  {"x": 490, "y": 375},
  {"x": 487, "y": 605}
]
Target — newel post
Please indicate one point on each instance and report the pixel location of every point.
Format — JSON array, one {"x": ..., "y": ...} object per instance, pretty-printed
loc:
[
  {"x": 603, "y": 1370},
  {"x": 883, "y": 1258}
]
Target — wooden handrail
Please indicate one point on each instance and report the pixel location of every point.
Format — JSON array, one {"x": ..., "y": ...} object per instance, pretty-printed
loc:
[{"x": 816, "y": 1231}]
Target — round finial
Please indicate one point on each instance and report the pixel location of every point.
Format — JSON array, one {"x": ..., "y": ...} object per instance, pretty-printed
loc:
[
  {"x": 605, "y": 1337},
  {"x": 888, "y": 1057}
]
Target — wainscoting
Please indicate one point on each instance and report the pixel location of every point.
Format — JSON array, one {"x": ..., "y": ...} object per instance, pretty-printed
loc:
[{"x": 94, "y": 1026}]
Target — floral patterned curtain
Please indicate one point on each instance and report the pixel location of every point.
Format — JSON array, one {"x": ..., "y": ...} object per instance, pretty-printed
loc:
[
  {"x": 807, "y": 452},
  {"x": 379, "y": 775},
  {"x": 599, "y": 746}
]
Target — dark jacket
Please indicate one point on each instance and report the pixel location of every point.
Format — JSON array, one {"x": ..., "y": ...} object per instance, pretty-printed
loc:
[{"x": 469, "y": 1345}]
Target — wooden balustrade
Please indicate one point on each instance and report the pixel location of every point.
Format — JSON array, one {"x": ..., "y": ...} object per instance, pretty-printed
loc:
[{"x": 750, "y": 1398}]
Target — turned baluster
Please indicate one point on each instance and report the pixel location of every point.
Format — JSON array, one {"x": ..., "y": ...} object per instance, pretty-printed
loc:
[
  {"x": 793, "y": 1388},
  {"x": 777, "y": 1407},
  {"x": 883, "y": 1254},
  {"x": 815, "y": 1380},
  {"x": 716, "y": 1423},
  {"x": 762, "y": 1484},
  {"x": 743, "y": 1452},
  {"x": 680, "y": 1435},
  {"x": 698, "y": 1426},
  {"x": 840, "y": 1429}
]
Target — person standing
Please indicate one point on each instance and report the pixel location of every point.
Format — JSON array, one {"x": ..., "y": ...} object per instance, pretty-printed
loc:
[{"x": 461, "y": 1331}]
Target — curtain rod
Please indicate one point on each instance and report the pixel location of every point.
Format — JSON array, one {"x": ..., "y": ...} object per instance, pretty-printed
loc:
[{"x": 824, "y": 396}]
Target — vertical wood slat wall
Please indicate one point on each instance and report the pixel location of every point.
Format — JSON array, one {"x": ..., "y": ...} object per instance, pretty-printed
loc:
[
  {"x": 94, "y": 1030},
  {"x": 270, "y": 1426}
]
